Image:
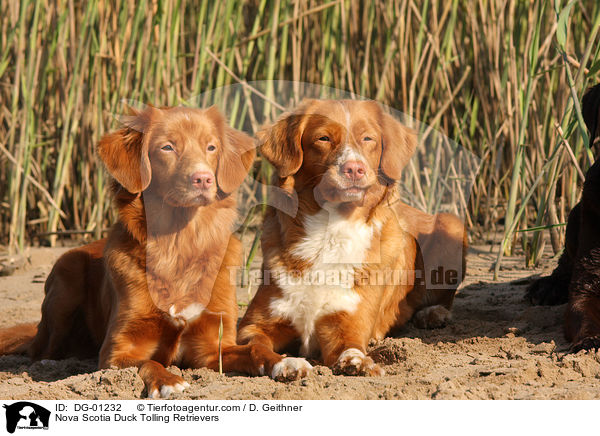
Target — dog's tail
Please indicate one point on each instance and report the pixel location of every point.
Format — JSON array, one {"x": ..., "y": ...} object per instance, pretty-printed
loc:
[{"x": 16, "y": 339}]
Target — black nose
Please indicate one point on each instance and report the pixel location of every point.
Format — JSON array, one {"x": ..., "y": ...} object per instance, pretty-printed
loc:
[{"x": 202, "y": 179}]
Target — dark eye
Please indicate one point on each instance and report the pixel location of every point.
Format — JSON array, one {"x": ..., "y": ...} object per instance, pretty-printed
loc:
[
  {"x": 211, "y": 148},
  {"x": 324, "y": 138},
  {"x": 167, "y": 147},
  {"x": 367, "y": 138}
]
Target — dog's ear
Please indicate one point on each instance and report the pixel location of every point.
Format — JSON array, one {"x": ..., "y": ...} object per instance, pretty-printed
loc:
[
  {"x": 125, "y": 151},
  {"x": 235, "y": 160},
  {"x": 236, "y": 156},
  {"x": 590, "y": 107},
  {"x": 398, "y": 145},
  {"x": 281, "y": 144}
]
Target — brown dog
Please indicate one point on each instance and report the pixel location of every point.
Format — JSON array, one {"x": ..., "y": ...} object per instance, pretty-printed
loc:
[
  {"x": 347, "y": 267},
  {"x": 155, "y": 291}
]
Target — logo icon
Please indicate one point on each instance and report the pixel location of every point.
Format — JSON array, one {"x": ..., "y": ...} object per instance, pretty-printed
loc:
[{"x": 26, "y": 415}]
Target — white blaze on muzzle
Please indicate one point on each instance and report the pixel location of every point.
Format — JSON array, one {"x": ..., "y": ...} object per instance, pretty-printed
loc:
[{"x": 349, "y": 154}]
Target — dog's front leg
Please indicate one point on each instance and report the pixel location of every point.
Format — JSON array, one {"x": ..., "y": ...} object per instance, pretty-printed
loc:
[
  {"x": 205, "y": 345},
  {"x": 343, "y": 343},
  {"x": 269, "y": 335},
  {"x": 251, "y": 359},
  {"x": 264, "y": 339},
  {"x": 148, "y": 343}
]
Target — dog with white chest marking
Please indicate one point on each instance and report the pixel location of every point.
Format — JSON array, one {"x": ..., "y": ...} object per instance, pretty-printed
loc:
[{"x": 350, "y": 265}]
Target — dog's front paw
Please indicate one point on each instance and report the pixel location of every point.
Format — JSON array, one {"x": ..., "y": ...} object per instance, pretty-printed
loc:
[
  {"x": 354, "y": 362},
  {"x": 291, "y": 368},
  {"x": 165, "y": 385},
  {"x": 588, "y": 343},
  {"x": 432, "y": 317}
]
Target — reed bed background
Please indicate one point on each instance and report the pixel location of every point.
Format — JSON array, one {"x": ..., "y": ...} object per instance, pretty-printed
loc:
[{"x": 502, "y": 78}]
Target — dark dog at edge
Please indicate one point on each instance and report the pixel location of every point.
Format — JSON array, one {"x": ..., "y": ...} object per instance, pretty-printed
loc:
[{"x": 576, "y": 279}]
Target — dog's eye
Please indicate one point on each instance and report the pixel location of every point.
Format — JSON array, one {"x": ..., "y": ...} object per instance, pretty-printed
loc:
[
  {"x": 324, "y": 138},
  {"x": 367, "y": 138},
  {"x": 167, "y": 147},
  {"x": 211, "y": 148}
]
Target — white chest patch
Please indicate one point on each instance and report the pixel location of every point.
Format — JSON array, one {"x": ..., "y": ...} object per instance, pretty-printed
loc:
[
  {"x": 335, "y": 247},
  {"x": 189, "y": 313}
]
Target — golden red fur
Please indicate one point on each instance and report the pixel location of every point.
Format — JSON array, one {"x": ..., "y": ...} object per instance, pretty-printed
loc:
[
  {"x": 367, "y": 250},
  {"x": 153, "y": 293}
]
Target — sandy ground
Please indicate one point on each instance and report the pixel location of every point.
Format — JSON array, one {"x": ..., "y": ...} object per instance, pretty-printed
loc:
[{"x": 496, "y": 347}]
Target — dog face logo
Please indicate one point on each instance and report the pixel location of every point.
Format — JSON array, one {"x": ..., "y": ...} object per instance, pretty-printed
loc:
[{"x": 26, "y": 415}]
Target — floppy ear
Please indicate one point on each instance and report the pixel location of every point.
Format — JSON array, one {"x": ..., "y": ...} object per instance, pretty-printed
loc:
[
  {"x": 125, "y": 153},
  {"x": 590, "y": 107},
  {"x": 399, "y": 144},
  {"x": 281, "y": 144},
  {"x": 235, "y": 160}
]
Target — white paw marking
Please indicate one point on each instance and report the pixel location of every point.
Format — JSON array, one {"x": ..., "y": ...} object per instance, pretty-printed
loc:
[
  {"x": 290, "y": 368},
  {"x": 180, "y": 387},
  {"x": 352, "y": 356},
  {"x": 167, "y": 390},
  {"x": 352, "y": 361}
]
